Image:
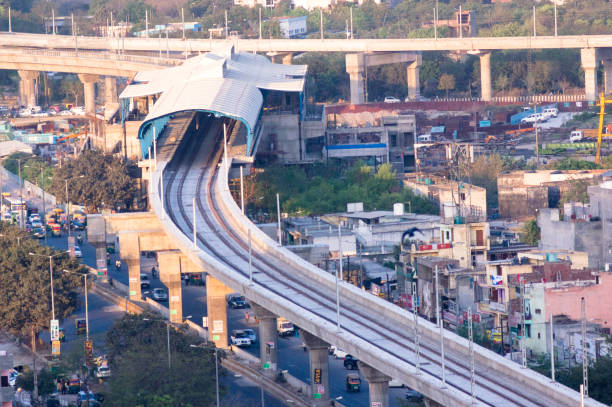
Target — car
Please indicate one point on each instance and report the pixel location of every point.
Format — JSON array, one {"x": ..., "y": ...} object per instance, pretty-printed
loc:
[
  {"x": 236, "y": 301},
  {"x": 77, "y": 252},
  {"x": 240, "y": 338},
  {"x": 103, "y": 371},
  {"x": 159, "y": 294},
  {"x": 413, "y": 395},
  {"x": 350, "y": 363},
  {"x": 576, "y": 136},
  {"x": 339, "y": 353},
  {"x": 78, "y": 110},
  {"x": 391, "y": 99},
  {"x": 65, "y": 113},
  {"x": 551, "y": 112},
  {"x": 529, "y": 119},
  {"x": 251, "y": 334},
  {"x": 144, "y": 281}
]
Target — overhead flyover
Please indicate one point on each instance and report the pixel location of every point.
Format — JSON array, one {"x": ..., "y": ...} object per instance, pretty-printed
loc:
[{"x": 224, "y": 83}]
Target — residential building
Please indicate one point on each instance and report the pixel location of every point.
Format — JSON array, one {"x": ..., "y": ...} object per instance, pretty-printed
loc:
[
  {"x": 456, "y": 288},
  {"x": 293, "y": 27},
  {"x": 313, "y": 4},
  {"x": 586, "y": 229},
  {"x": 452, "y": 197},
  {"x": 7, "y": 393},
  {"x": 555, "y": 289},
  {"x": 253, "y": 3},
  {"x": 121, "y": 29},
  {"x": 523, "y": 193},
  {"x": 311, "y": 231}
]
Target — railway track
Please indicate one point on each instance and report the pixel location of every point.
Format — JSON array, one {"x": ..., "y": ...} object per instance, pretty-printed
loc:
[{"x": 199, "y": 158}]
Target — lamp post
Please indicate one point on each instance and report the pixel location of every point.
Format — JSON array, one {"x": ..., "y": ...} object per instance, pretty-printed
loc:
[
  {"x": 20, "y": 193},
  {"x": 50, "y": 275}
]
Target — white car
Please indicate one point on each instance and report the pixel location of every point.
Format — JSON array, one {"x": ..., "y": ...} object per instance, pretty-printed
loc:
[
  {"x": 65, "y": 113},
  {"x": 78, "y": 110},
  {"x": 159, "y": 294},
  {"x": 338, "y": 353},
  {"x": 551, "y": 112},
  {"x": 576, "y": 136},
  {"x": 251, "y": 334},
  {"x": 391, "y": 99},
  {"x": 103, "y": 371},
  {"x": 240, "y": 338},
  {"x": 77, "y": 252}
]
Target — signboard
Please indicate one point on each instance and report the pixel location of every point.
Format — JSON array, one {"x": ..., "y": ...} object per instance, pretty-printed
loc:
[
  {"x": 133, "y": 279},
  {"x": 217, "y": 326},
  {"x": 205, "y": 322},
  {"x": 54, "y": 329},
  {"x": 174, "y": 298},
  {"x": 55, "y": 348},
  {"x": 317, "y": 377},
  {"x": 101, "y": 266},
  {"x": 321, "y": 389},
  {"x": 376, "y": 404},
  {"x": 71, "y": 244}
]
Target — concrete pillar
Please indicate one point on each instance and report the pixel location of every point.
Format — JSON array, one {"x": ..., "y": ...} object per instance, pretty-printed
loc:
[
  {"x": 355, "y": 67},
  {"x": 318, "y": 355},
  {"x": 412, "y": 76},
  {"x": 588, "y": 58},
  {"x": 96, "y": 236},
  {"x": 217, "y": 311},
  {"x": 378, "y": 383},
  {"x": 287, "y": 58},
  {"x": 129, "y": 248},
  {"x": 605, "y": 54},
  {"x": 170, "y": 275},
  {"x": 111, "y": 98},
  {"x": 27, "y": 87},
  {"x": 485, "y": 76},
  {"x": 268, "y": 338},
  {"x": 89, "y": 85}
]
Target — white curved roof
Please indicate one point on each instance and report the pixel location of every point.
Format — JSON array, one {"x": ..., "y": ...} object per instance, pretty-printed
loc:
[{"x": 222, "y": 81}]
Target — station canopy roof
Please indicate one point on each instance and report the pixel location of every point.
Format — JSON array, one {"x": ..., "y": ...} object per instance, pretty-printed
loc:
[{"x": 224, "y": 82}]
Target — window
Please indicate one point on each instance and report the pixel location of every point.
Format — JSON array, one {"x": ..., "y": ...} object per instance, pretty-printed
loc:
[
  {"x": 528, "y": 330},
  {"x": 538, "y": 311},
  {"x": 4, "y": 381},
  {"x": 538, "y": 335}
]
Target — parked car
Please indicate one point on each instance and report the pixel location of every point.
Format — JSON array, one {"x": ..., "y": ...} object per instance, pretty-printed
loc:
[
  {"x": 350, "y": 363},
  {"x": 103, "y": 371},
  {"x": 144, "y": 281},
  {"x": 391, "y": 99},
  {"x": 240, "y": 338},
  {"x": 236, "y": 301},
  {"x": 551, "y": 112},
  {"x": 159, "y": 294},
  {"x": 251, "y": 334},
  {"x": 576, "y": 136},
  {"x": 77, "y": 252}
]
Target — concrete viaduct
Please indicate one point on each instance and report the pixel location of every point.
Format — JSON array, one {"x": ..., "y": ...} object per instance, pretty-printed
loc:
[{"x": 360, "y": 52}]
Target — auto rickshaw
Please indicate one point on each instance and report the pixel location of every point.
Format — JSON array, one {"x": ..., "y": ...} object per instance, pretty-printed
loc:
[
  {"x": 74, "y": 385},
  {"x": 353, "y": 382},
  {"x": 81, "y": 325},
  {"x": 56, "y": 229}
]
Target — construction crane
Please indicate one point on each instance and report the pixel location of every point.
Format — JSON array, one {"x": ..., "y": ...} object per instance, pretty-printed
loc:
[
  {"x": 602, "y": 112},
  {"x": 71, "y": 136}
]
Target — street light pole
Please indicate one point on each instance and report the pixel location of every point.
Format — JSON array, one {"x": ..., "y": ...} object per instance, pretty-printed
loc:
[
  {"x": 86, "y": 310},
  {"x": 51, "y": 276},
  {"x": 20, "y": 193},
  {"x": 279, "y": 220},
  {"x": 217, "y": 375}
]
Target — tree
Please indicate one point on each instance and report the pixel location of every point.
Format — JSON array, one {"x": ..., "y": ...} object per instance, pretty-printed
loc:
[
  {"x": 74, "y": 88},
  {"x": 105, "y": 182},
  {"x": 530, "y": 233},
  {"x": 45, "y": 381},
  {"x": 446, "y": 82},
  {"x": 137, "y": 344}
]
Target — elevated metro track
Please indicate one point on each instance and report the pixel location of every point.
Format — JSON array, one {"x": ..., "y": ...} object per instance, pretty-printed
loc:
[
  {"x": 378, "y": 333},
  {"x": 157, "y": 45}
]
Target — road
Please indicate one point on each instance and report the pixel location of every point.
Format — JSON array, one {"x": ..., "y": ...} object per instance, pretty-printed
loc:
[{"x": 291, "y": 355}]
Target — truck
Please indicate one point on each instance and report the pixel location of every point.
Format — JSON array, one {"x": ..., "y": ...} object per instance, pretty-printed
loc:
[{"x": 284, "y": 327}]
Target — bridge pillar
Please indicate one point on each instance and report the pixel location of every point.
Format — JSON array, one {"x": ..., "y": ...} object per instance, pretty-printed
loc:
[
  {"x": 378, "y": 384},
  {"x": 111, "y": 99},
  {"x": 89, "y": 85},
  {"x": 588, "y": 57},
  {"x": 355, "y": 67},
  {"x": 170, "y": 275},
  {"x": 318, "y": 355},
  {"x": 485, "y": 76},
  {"x": 129, "y": 249},
  {"x": 606, "y": 56},
  {"x": 412, "y": 76},
  {"x": 27, "y": 87},
  {"x": 96, "y": 236},
  {"x": 217, "y": 311},
  {"x": 268, "y": 338}
]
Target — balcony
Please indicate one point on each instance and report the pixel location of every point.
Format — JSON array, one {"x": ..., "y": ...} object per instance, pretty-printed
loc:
[{"x": 492, "y": 307}]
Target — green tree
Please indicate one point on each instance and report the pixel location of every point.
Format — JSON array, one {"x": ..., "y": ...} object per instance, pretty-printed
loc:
[
  {"x": 134, "y": 346},
  {"x": 73, "y": 87},
  {"x": 45, "y": 379},
  {"x": 105, "y": 182},
  {"x": 446, "y": 83},
  {"x": 530, "y": 232}
]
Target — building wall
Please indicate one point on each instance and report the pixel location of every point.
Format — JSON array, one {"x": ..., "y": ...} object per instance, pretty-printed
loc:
[
  {"x": 113, "y": 136},
  {"x": 597, "y": 297},
  {"x": 520, "y": 201},
  {"x": 538, "y": 342},
  {"x": 281, "y": 136}
]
